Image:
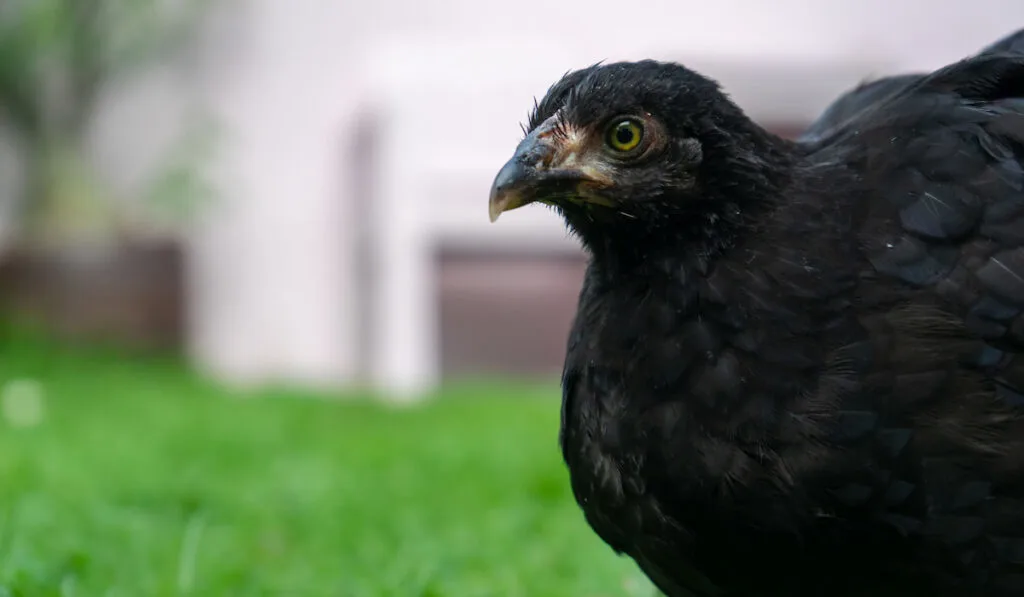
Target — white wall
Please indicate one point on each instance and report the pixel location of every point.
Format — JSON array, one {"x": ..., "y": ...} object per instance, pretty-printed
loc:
[{"x": 273, "y": 262}]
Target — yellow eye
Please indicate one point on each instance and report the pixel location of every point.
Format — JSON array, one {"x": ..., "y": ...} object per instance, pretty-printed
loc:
[{"x": 625, "y": 135}]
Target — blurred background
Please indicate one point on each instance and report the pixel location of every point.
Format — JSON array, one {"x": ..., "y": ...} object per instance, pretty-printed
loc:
[{"x": 257, "y": 336}]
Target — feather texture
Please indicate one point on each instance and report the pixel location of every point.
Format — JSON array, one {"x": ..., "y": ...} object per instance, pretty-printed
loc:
[{"x": 797, "y": 369}]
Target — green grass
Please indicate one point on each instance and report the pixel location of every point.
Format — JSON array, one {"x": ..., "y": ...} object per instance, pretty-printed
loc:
[{"x": 144, "y": 480}]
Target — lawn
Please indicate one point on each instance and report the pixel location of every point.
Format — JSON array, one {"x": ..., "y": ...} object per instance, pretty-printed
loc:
[{"x": 140, "y": 479}]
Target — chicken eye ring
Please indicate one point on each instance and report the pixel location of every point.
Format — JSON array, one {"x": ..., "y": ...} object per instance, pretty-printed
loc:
[{"x": 624, "y": 135}]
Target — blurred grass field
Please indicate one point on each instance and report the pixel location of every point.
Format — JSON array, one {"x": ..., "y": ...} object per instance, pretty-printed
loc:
[{"x": 140, "y": 479}]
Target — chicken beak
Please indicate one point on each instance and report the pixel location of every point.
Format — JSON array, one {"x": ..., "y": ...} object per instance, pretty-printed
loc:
[
  {"x": 540, "y": 171},
  {"x": 517, "y": 182},
  {"x": 509, "y": 190}
]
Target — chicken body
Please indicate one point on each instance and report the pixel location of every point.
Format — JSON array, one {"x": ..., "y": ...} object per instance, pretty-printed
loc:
[{"x": 797, "y": 368}]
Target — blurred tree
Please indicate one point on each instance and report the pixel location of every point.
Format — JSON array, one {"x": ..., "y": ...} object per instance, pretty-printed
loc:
[{"x": 56, "y": 59}]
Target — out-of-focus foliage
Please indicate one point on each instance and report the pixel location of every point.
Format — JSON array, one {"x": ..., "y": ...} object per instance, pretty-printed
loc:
[
  {"x": 56, "y": 59},
  {"x": 56, "y": 55}
]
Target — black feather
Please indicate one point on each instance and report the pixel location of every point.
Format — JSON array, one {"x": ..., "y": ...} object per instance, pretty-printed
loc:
[{"x": 797, "y": 369}]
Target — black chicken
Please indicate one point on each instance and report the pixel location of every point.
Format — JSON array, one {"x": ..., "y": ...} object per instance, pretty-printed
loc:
[{"x": 797, "y": 368}]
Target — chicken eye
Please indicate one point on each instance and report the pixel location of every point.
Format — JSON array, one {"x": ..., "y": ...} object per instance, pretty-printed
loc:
[{"x": 624, "y": 135}]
